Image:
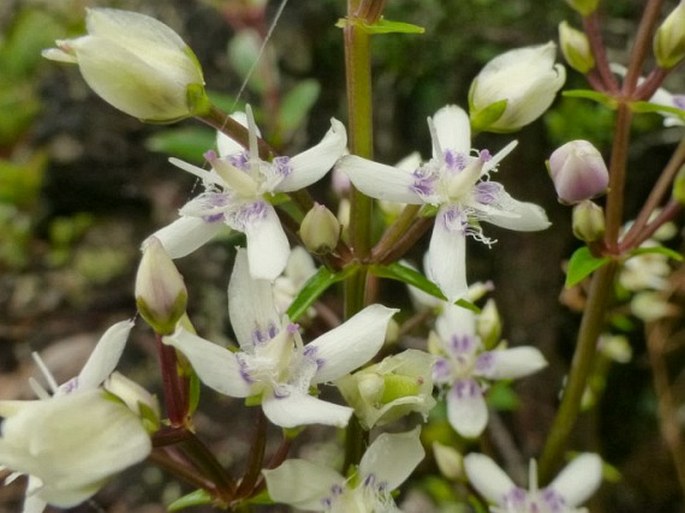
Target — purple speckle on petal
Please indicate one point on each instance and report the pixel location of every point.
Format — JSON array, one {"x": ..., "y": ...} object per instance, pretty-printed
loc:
[
  {"x": 70, "y": 386},
  {"x": 370, "y": 480},
  {"x": 488, "y": 193},
  {"x": 239, "y": 160},
  {"x": 424, "y": 182},
  {"x": 310, "y": 353},
  {"x": 214, "y": 218},
  {"x": 485, "y": 363},
  {"x": 336, "y": 489},
  {"x": 441, "y": 369},
  {"x": 466, "y": 389},
  {"x": 282, "y": 166},
  {"x": 281, "y": 392},
  {"x": 293, "y": 328},
  {"x": 454, "y": 161},
  {"x": 679, "y": 101},
  {"x": 247, "y": 214},
  {"x": 462, "y": 343},
  {"x": 244, "y": 371},
  {"x": 454, "y": 219},
  {"x": 555, "y": 502},
  {"x": 516, "y": 497}
]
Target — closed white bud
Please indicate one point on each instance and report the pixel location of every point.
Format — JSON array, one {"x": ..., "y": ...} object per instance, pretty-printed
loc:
[
  {"x": 669, "y": 39},
  {"x": 160, "y": 292},
  {"x": 320, "y": 230},
  {"x": 515, "y": 88},
  {"x": 575, "y": 47},
  {"x": 137, "y": 64},
  {"x": 588, "y": 221},
  {"x": 578, "y": 172}
]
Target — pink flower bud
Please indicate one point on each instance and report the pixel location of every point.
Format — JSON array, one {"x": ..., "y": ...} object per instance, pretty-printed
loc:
[{"x": 578, "y": 172}]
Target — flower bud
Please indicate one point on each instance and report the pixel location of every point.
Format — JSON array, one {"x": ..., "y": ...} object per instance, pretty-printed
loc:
[
  {"x": 515, "y": 88},
  {"x": 449, "y": 461},
  {"x": 578, "y": 172},
  {"x": 489, "y": 325},
  {"x": 320, "y": 230},
  {"x": 669, "y": 39},
  {"x": 576, "y": 48},
  {"x": 588, "y": 221},
  {"x": 583, "y": 7},
  {"x": 161, "y": 295},
  {"x": 384, "y": 392},
  {"x": 679, "y": 186},
  {"x": 137, "y": 64}
]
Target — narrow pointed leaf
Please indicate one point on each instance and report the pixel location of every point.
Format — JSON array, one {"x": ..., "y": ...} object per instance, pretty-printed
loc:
[
  {"x": 399, "y": 272},
  {"x": 581, "y": 265},
  {"x": 196, "y": 498},
  {"x": 662, "y": 250},
  {"x": 315, "y": 286},
  {"x": 595, "y": 96},
  {"x": 657, "y": 107},
  {"x": 384, "y": 26}
]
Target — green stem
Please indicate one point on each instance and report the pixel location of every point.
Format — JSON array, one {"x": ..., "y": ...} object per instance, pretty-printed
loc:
[
  {"x": 590, "y": 329},
  {"x": 395, "y": 231}
]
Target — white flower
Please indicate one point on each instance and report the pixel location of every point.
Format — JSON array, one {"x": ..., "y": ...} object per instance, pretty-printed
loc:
[
  {"x": 237, "y": 190},
  {"x": 573, "y": 486},
  {"x": 467, "y": 368},
  {"x": 273, "y": 362},
  {"x": 386, "y": 464},
  {"x": 36, "y": 434},
  {"x": 137, "y": 64},
  {"x": 525, "y": 78},
  {"x": 69, "y": 445},
  {"x": 457, "y": 181},
  {"x": 677, "y": 101},
  {"x": 299, "y": 269}
]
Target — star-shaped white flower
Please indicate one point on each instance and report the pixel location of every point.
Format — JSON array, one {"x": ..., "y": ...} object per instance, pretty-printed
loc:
[
  {"x": 70, "y": 442},
  {"x": 386, "y": 464},
  {"x": 456, "y": 180},
  {"x": 573, "y": 486},
  {"x": 237, "y": 192},
  {"x": 273, "y": 362},
  {"x": 467, "y": 369}
]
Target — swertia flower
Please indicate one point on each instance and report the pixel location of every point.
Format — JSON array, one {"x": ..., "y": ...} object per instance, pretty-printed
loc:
[
  {"x": 70, "y": 442},
  {"x": 573, "y": 486},
  {"x": 467, "y": 368},
  {"x": 456, "y": 180},
  {"x": 386, "y": 464},
  {"x": 237, "y": 189},
  {"x": 273, "y": 364},
  {"x": 137, "y": 64}
]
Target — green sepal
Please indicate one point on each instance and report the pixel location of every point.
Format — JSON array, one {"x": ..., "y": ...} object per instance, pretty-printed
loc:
[
  {"x": 160, "y": 323},
  {"x": 196, "y": 498},
  {"x": 581, "y": 264},
  {"x": 661, "y": 250},
  {"x": 595, "y": 96},
  {"x": 642, "y": 107},
  {"x": 261, "y": 498},
  {"x": 383, "y": 26},
  {"x": 405, "y": 274},
  {"x": 254, "y": 400},
  {"x": 482, "y": 120},
  {"x": 199, "y": 103},
  {"x": 149, "y": 417},
  {"x": 193, "y": 393},
  {"x": 315, "y": 286},
  {"x": 292, "y": 433}
]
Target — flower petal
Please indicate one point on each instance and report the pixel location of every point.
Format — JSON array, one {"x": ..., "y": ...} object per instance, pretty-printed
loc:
[
  {"x": 311, "y": 165},
  {"x": 510, "y": 363},
  {"x": 228, "y": 146},
  {"x": 486, "y": 477},
  {"x": 579, "y": 480},
  {"x": 351, "y": 344},
  {"x": 466, "y": 408},
  {"x": 453, "y": 130},
  {"x": 455, "y": 320},
  {"x": 302, "y": 484},
  {"x": 406, "y": 450},
  {"x": 186, "y": 234},
  {"x": 300, "y": 409},
  {"x": 380, "y": 181},
  {"x": 446, "y": 259},
  {"x": 267, "y": 245},
  {"x": 105, "y": 356},
  {"x": 506, "y": 212},
  {"x": 216, "y": 366},
  {"x": 250, "y": 305}
]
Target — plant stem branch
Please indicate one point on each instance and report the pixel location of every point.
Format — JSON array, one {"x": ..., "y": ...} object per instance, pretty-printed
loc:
[
  {"x": 590, "y": 328},
  {"x": 593, "y": 31},
  {"x": 643, "y": 43}
]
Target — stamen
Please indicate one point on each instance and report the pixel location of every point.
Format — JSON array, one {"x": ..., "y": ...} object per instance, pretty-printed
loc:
[{"x": 52, "y": 383}]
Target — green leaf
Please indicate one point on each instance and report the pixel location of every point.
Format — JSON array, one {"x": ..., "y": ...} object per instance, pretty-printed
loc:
[
  {"x": 661, "y": 250},
  {"x": 658, "y": 108},
  {"x": 581, "y": 265},
  {"x": 315, "y": 286},
  {"x": 296, "y": 105},
  {"x": 595, "y": 96},
  {"x": 483, "y": 119},
  {"x": 189, "y": 143},
  {"x": 383, "y": 26},
  {"x": 405, "y": 274},
  {"x": 196, "y": 498}
]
